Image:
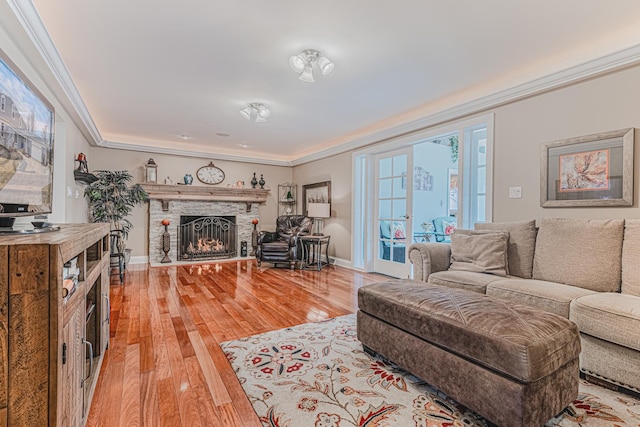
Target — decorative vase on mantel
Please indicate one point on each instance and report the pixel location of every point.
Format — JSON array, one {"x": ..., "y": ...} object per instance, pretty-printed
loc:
[
  {"x": 262, "y": 182},
  {"x": 254, "y": 181}
]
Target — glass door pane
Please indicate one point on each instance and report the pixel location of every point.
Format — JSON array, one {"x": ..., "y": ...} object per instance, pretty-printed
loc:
[{"x": 393, "y": 191}]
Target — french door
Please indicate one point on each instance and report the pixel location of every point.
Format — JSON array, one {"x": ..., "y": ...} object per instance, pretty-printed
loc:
[{"x": 392, "y": 205}]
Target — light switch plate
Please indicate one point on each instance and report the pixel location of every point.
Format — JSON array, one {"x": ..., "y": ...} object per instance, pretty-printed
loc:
[{"x": 515, "y": 192}]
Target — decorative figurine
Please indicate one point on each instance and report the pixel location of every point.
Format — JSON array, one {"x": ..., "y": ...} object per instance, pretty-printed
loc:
[
  {"x": 254, "y": 181},
  {"x": 188, "y": 179},
  {"x": 82, "y": 163},
  {"x": 166, "y": 241},
  {"x": 262, "y": 182}
]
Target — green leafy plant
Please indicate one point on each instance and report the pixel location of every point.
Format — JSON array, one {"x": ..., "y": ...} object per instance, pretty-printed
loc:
[
  {"x": 453, "y": 140},
  {"x": 111, "y": 199}
]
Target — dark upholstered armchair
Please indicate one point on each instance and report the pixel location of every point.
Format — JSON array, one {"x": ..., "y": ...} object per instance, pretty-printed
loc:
[{"x": 282, "y": 246}]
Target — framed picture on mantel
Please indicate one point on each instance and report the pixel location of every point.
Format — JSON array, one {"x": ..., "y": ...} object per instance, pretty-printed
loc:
[{"x": 591, "y": 170}]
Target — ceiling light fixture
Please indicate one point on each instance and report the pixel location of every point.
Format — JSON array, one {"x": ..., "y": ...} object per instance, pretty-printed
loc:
[
  {"x": 255, "y": 110},
  {"x": 302, "y": 64}
]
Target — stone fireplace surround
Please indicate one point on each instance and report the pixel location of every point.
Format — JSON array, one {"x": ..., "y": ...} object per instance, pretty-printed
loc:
[{"x": 172, "y": 201}]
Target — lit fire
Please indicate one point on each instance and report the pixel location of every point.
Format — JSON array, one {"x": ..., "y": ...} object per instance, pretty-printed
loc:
[{"x": 206, "y": 245}]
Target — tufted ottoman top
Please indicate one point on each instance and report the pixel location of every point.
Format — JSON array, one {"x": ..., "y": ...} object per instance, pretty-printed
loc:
[{"x": 523, "y": 343}]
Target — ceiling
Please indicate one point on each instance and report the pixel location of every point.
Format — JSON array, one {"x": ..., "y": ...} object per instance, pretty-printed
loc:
[{"x": 149, "y": 71}]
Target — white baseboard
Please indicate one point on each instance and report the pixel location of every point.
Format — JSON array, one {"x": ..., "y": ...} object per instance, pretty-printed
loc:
[{"x": 139, "y": 260}]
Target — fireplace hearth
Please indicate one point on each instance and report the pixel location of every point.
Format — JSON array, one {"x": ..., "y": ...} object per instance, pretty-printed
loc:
[{"x": 207, "y": 237}]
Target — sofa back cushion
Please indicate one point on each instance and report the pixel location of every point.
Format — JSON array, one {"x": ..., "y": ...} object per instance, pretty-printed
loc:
[
  {"x": 521, "y": 245},
  {"x": 580, "y": 252},
  {"x": 631, "y": 258},
  {"x": 479, "y": 251}
]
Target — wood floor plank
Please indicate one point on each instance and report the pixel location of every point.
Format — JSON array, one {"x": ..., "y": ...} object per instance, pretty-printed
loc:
[
  {"x": 150, "y": 410},
  {"x": 130, "y": 408},
  {"x": 164, "y": 366},
  {"x": 211, "y": 376},
  {"x": 168, "y": 404}
]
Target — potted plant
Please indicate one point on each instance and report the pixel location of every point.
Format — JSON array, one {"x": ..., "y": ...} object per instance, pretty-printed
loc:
[{"x": 111, "y": 199}]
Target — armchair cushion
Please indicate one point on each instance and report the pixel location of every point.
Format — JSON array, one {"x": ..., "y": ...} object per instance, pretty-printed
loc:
[{"x": 444, "y": 226}]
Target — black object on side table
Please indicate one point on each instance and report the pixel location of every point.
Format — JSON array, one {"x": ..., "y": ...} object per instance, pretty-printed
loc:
[{"x": 312, "y": 252}]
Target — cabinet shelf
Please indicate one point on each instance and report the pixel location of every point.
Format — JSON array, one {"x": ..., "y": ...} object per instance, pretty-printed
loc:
[{"x": 287, "y": 199}]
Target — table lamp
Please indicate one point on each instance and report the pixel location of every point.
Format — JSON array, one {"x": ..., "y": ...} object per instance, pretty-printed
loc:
[{"x": 318, "y": 211}]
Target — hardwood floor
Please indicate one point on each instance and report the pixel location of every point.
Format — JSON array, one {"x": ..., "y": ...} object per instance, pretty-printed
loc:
[{"x": 164, "y": 366}]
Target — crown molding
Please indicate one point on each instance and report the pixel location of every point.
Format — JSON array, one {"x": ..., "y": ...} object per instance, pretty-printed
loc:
[
  {"x": 28, "y": 17},
  {"x": 590, "y": 69},
  {"x": 190, "y": 153}
]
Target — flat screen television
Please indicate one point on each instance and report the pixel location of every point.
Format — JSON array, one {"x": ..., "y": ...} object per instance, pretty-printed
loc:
[{"x": 26, "y": 146}]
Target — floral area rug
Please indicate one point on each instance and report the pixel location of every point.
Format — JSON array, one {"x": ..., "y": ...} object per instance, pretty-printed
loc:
[{"x": 317, "y": 375}]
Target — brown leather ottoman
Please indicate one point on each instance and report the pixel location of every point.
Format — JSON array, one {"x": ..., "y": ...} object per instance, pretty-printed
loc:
[{"x": 512, "y": 364}]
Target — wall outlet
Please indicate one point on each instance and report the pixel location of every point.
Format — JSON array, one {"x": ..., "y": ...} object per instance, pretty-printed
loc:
[{"x": 515, "y": 192}]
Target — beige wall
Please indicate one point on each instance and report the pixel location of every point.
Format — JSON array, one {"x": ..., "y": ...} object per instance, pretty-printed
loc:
[
  {"x": 606, "y": 103},
  {"x": 336, "y": 169},
  {"x": 176, "y": 167}
]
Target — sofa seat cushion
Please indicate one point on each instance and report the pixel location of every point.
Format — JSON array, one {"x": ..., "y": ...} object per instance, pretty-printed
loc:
[
  {"x": 580, "y": 252},
  {"x": 548, "y": 296},
  {"x": 469, "y": 280},
  {"x": 521, "y": 244},
  {"x": 609, "y": 316},
  {"x": 518, "y": 341}
]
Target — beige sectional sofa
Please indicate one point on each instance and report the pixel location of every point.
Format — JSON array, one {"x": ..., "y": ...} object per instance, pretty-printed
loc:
[{"x": 584, "y": 270}]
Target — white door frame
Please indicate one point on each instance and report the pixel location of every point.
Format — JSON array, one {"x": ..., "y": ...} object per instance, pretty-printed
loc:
[
  {"x": 395, "y": 268},
  {"x": 363, "y": 180}
]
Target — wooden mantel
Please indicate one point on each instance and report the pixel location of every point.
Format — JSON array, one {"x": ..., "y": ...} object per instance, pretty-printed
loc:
[{"x": 166, "y": 193}]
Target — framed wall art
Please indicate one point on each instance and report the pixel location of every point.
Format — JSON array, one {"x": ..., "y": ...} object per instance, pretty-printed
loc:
[
  {"x": 319, "y": 192},
  {"x": 591, "y": 170}
]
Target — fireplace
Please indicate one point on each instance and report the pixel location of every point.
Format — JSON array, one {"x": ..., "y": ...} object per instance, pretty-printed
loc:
[
  {"x": 206, "y": 237},
  {"x": 170, "y": 202}
]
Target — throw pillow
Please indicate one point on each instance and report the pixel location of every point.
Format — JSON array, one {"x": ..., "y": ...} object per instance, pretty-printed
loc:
[
  {"x": 449, "y": 227},
  {"x": 522, "y": 242},
  {"x": 399, "y": 233},
  {"x": 479, "y": 251}
]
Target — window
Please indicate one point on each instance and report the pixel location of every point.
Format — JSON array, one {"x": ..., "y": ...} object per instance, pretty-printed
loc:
[
  {"x": 3, "y": 102},
  {"x": 476, "y": 176}
]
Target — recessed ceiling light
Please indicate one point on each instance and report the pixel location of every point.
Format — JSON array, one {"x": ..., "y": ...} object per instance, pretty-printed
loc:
[
  {"x": 184, "y": 136},
  {"x": 244, "y": 145},
  {"x": 223, "y": 134}
]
